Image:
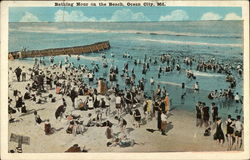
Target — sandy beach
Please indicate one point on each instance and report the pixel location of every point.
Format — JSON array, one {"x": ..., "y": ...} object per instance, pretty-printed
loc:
[{"x": 181, "y": 134}]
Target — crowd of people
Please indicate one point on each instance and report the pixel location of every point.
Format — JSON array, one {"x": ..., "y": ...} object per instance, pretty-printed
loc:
[
  {"x": 209, "y": 118},
  {"x": 93, "y": 91}
]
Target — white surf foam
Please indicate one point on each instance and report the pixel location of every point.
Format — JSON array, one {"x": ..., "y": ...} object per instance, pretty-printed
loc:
[
  {"x": 204, "y": 74},
  {"x": 188, "y": 42}
]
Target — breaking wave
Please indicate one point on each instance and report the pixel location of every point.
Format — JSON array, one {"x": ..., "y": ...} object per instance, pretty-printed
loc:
[{"x": 188, "y": 43}]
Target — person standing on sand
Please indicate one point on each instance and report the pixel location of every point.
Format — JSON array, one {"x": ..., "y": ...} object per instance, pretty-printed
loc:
[
  {"x": 23, "y": 76},
  {"x": 219, "y": 135},
  {"x": 18, "y": 72},
  {"x": 107, "y": 102},
  {"x": 19, "y": 100},
  {"x": 162, "y": 105},
  {"x": 214, "y": 110},
  {"x": 163, "y": 122},
  {"x": 118, "y": 103},
  {"x": 238, "y": 132},
  {"x": 198, "y": 114},
  {"x": 167, "y": 103},
  {"x": 158, "y": 91},
  {"x": 73, "y": 96},
  {"x": 159, "y": 118},
  {"x": 149, "y": 109},
  {"x": 137, "y": 117},
  {"x": 229, "y": 133},
  {"x": 206, "y": 115}
]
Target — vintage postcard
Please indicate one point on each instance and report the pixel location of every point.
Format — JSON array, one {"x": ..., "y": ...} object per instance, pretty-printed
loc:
[{"x": 125, "y": 80}]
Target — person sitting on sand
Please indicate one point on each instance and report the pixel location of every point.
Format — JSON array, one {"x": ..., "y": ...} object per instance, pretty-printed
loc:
[
  {"x": 207, "y": 131},
  {"x": 122, "y": 123},
  {"x": 40, "y": 99},
  {"x": 109, "y": 132},
  {"x": 47, "y": 127},
  {"x": 58, "y": 88},
  {"x": 28, "y": 87},
  {"x": 123, "y": 141},
  {"x": 90, "y": 122},
  {"x": 76, "y": 148},
  {"x": 80, "y": 104},
  {"x": 70, "y": 128},
  {"x": 38, "y": 120},
  {"x": 26, "y": 95},
  {"x": 10, "y": 109},
  {"x": 77, "y": 128},
  {"x": 19, "y": 100}
]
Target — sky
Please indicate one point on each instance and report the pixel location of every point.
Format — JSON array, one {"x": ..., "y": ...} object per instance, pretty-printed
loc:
[{"x": 122, "y": 14}]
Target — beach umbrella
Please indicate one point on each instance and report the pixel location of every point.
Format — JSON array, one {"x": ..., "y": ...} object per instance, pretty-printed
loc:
[{"x": 59, "y": 111}]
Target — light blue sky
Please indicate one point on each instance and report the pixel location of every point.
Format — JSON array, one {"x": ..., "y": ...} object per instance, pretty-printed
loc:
[{"x": 114, "y": 14}]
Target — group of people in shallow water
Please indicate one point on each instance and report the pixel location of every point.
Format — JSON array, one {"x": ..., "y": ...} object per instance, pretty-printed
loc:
[
  {"x": 233, "y": 126},
  {"x": 90, "y": 91}
]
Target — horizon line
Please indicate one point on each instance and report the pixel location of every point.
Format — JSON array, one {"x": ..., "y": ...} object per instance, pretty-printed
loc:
[{"x": 120, "y": 21}]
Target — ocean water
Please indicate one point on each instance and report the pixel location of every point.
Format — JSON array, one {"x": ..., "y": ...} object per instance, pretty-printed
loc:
[{"x": 222, "y": 40}]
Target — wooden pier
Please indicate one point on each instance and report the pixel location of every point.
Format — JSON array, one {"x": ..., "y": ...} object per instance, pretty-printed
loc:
[{"x": 96, "y": 47}]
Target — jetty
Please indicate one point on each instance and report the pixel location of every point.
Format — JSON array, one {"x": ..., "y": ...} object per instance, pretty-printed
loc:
[{"x": 76, "y": 50}]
